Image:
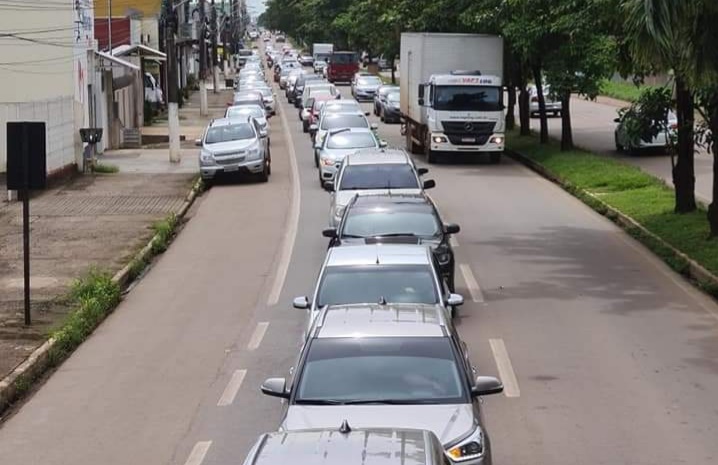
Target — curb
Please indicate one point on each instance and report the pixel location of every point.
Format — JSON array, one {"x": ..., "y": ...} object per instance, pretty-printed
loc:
[
  {"x": 14, "y": 385},
  {"x": 693, "y": 270}
]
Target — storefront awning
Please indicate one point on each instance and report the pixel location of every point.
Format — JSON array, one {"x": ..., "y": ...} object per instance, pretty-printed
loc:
[
  {"x": 117, "y": 61},
  {"x": 139, "y": 50}
]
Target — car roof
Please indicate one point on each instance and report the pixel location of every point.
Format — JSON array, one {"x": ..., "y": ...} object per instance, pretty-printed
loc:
[
  {"x": 229, "y": 121},
  {"x": 377, "y": 156},
  {"x": 375, "y": 199},
  {"x": 377, "y": 320},
  {"x": 331, "y": 447},
  {"x": 378, "y": 254}
]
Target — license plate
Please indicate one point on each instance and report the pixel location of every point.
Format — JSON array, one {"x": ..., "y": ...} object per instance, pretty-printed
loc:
[
  {"x": 468, "y": 139},
  {"x": 229, "y": 169}
]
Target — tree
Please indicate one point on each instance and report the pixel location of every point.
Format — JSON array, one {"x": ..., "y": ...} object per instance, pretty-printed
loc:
[{"x": 660, "y": 34}]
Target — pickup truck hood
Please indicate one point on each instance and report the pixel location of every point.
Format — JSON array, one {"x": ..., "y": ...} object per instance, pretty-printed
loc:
[
  {"x": 448, "y": 422},
  {"x": 232, "y": 147}
]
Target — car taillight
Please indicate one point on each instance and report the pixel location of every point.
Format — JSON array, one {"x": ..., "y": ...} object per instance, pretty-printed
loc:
[{"x": 534, "y": 99}]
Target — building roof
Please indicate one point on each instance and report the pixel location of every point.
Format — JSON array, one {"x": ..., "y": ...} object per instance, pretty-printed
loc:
[{"x": 142, "y": 50}]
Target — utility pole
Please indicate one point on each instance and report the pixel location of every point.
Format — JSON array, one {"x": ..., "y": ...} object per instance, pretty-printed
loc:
[
  {"x": 203, "y": 106},
  {"x": 172, "y": 90},
  {"x": 215, "y": 68},
  {"x": 109, "y": 26}
]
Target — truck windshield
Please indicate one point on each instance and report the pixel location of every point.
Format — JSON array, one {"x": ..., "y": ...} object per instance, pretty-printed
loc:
[{"x": 467, "y": 98}]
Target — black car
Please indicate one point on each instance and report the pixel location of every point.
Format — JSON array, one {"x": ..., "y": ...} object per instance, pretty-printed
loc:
[
  {"x": 390, "y": 111},
  {"x": 402, "y": 218},
  {"x": 380, "y": 96},
  {"x": 294, "y": 97}
]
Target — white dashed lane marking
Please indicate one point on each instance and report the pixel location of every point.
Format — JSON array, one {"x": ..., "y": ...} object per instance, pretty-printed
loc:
[
  {"x": 199, "y": 451},
  {"x": 230, "y": 392},
  {"x": 506, "y": 370},
  {"x": 471, "y": 284},
  {"x": 257, "y": 335}
]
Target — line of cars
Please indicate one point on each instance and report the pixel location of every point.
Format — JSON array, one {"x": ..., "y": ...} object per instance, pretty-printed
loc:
[{"x": 380, "y": 358}]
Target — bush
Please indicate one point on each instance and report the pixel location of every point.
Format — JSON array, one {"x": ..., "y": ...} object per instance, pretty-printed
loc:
[{"x": 164, "y": 230}]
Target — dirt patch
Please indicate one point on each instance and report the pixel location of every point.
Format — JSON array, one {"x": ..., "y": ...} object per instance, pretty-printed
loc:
[{"x": 89, "y": 221}]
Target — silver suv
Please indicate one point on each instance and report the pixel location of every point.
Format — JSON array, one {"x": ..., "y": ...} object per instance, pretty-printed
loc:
[
  {"x": 345, "y": 445},
  {"x": 400, "y": 366},
  {"x": 393, "y": 273},
  {"x": 233, "y": 145}
]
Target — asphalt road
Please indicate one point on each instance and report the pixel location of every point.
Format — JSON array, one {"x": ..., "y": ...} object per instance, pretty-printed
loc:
[
  {"x": 615, "y": 357},
  {"x": 593, "y": 130}
]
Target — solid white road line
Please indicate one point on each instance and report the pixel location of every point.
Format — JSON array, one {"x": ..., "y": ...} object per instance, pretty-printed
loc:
[
  {"x": 196, "y": 457},
  {"x": 230, "y": 392},
  {"x": 290, "y": 234},
  {"x": 257, "y": 335},
  {"x": 454, "y": 243},
  {"x": 506, "y": 370},
  {"x": 474, "y": 289}
]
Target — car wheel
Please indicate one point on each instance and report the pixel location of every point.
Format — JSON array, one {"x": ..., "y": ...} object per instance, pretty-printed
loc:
[
  {"x": 431, "y": 156},
  {"x": 305, "y": 127},
  {"x": 321, "y": 181},
  {"x": 269, "y": 161},
  {"x": 208, "y": 182},
  {"x": 376, "y": 112},
  {"x": 619, "y": 147},
  {"x": 316, "y": 159},
  {"x": 264, "y": 175}
]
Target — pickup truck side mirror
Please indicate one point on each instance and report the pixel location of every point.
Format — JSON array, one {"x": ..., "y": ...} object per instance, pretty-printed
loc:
[
  {"x": 422, "y": 171},
  {"x": 198, "y": 142},
  {"x": 429, "y": 184}
]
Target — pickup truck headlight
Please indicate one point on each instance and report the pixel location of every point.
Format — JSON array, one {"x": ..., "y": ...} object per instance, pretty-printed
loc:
[
  {"x": 327, "y": 161},
  {"x": 470, "y": 448},
  {"x": 206, "y": 157},
  {"x": 253, "y": 153}
]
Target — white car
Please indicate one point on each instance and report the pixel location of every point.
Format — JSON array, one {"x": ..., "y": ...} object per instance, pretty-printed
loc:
[
  {"x": 374, "y": 171},
  {"x": 661, "y": 141},
  {"x": 552, "y": 106},
  {"x": 338, "y": 144},
  {"x": 329, "y": 121}
]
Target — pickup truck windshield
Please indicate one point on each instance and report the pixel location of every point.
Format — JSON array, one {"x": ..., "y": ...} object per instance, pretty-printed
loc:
[{"x": 468, "y": 98}]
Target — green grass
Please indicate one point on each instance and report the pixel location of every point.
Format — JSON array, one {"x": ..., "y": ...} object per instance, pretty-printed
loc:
[
  {"x": 93, "y": 296},
  {"x": 164, "y": 230},
  {"x": 625, "y": 91},
  {"x": 641, "y": 196},
  {"x": 106, "y": 168}
]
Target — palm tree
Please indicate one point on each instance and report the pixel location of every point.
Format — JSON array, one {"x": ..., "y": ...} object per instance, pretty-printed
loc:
[{"x": 661, "y": 36}]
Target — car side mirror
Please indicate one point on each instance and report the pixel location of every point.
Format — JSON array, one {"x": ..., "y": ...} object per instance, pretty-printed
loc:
[
  {"x": 451, "y": 228},
  {"x": 422, "y": 171},
  {"x": 366, "y": 113},
  {"x": 263, "y": 135},
  {"x": 429, "y": 184},
  {"x": 330, "y": 233},
  {"x": 617, "y": 120},
  {"x": 486, "y": 385},
  {"x": 275, "y": 387},
  {"x": 198, "y": 142},
  {"x": 301, "y": 303},
  {"x": 329, "y": 186},
  {"x": 455, "y": 300},
  {"x": 313, "y": 127},
  {"x": 382, "y": 143},
  {"x": 374, "y": 126}
]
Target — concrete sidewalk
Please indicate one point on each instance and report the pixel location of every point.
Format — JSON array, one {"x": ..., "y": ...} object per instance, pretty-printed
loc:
[{"x": 96, "y": 220}]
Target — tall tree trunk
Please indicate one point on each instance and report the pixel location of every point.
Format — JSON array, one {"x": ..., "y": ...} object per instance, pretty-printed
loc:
[
  {"x": 713, "y": 207},
  {"x": 566, "y": 129},
  {"x": 511, "y": 108},
  {"x": 393, "y": 70},
  {"x": 684, "y": 178},
  {"x": 542, "y": 104},
  {"x": 524, "y": 116}
]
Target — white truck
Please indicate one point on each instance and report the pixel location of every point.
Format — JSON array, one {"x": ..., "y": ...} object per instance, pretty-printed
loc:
[
  {"x": 451, "y": 94},
  {"x": 320, "y": 53}
]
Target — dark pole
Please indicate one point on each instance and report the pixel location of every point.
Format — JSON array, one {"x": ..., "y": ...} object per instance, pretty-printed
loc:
[
  {"x": 26, "y": 223},
  {"x": 202, "y": 43},
  {"x": 172, "y": 93},
  {"x": 213, "y": 29}
]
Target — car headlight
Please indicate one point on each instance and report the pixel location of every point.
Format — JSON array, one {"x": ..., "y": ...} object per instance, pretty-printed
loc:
[
  {"x": 498, "y": 140},
  {"x": 327, "y": 161},
  {"x": 339, "y": 212},
  {"x": 206, "y": 157},
  {"x": 444, "y": 258},
  {"x": 469, "y": 448},
  {"x": 439, "y": 139}
]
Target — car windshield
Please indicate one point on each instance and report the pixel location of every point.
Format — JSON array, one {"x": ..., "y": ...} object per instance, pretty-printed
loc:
[
  {"x": 343, "y": 58},
  {"x": 255, "y": 112},
  {"x": 229, "y": 133},
  {"x": 351, "y": 140},
  {"x": 467, "y": 98},
  {"x": 393, "y": 97},
  {"x": 343, "y": 106},
  {"x": 403, "y": 370},
  {"x": 337, "y": 121},
  {"x": 365, "y": 284},
  {"x": 378, "y": 221},
  {"x": 379, "y": 176},
  {"x": 369, "y": 81}
]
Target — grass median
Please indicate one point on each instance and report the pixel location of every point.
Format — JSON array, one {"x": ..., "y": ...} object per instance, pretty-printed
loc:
[
  {"x": 634, "y": 193},
  {"x": 625, "y": 91}
]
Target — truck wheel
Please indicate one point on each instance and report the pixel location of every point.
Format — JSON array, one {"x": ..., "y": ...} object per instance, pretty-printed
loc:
[
  {"x": 431, "y": 156},
  {"x": 495, "y": 158},
  {"x": 411, "y": 146}
]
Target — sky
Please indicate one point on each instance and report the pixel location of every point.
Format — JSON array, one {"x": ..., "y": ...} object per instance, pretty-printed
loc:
[{"x": 255, "y": 7}]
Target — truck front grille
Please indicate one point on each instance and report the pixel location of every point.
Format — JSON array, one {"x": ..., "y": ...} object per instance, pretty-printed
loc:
[{"x": 468, "y": 127}]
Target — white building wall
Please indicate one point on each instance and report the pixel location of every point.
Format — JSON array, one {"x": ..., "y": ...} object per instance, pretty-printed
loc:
[{"x": 44, "y": 75}]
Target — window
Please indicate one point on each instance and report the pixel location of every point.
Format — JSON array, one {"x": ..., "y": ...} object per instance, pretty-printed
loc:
[
  {"x": 344, "y": 121},
  {"x": 253, "y": 111},
  {"x": 351, "y": 140},
  {"x": 366, "y": 284},
  {"x": 369, "y": 81},
  {"x": 343, "y": 58},
  {"x": 378, "y": 222},
  {"x": 379, "y": 176},
  {"x": 411, "y": 370},
  {"x": 229, "y": 133},
  {"x": 467, "y": 98},
  {"x": 393, "y": 97}
]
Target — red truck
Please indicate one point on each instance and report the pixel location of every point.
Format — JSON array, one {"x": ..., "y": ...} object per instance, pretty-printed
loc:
[{"x": 342, "y": 66}]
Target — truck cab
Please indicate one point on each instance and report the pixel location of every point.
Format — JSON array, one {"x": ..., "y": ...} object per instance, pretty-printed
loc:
[
  {"x": 342, "y": 66},
  {"x": 462, "y": 112}
]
